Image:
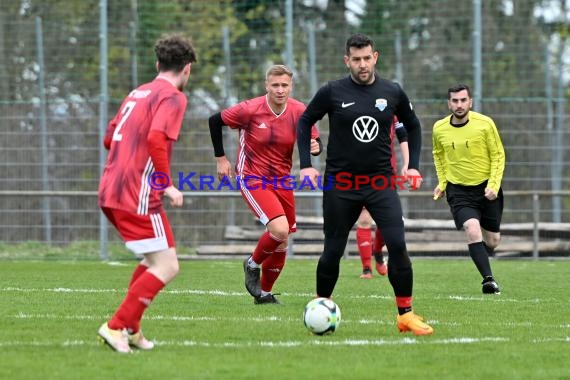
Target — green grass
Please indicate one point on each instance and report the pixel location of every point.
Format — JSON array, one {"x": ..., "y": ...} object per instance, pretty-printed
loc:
[
  {"x": 206, "y": 327},
  {"x": 77, "y": 250}
]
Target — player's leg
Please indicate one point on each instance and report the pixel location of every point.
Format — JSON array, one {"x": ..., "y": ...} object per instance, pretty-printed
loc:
[
  {"x": 464, "y": 203},
  {"x": 142, "y": 267},
  {"x": 272, "y": 267},
  {"x": 162, "y": 269},
  {"x": 491, "y": 227},
  {"x": 377, "y": 246},
  {"x": 266, "y": 206},
  {"x": 364, "y": 242},
  {"x": 339, "y": 215},
  {"x": 151, "y": 236},
  {"x": 491, "y": 217},
  {"x": 479, "y": 254},
  {"x": 386, "y": 210}
]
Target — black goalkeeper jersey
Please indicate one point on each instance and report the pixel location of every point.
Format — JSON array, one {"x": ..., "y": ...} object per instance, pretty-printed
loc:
[{"x": 360, "y": 118}]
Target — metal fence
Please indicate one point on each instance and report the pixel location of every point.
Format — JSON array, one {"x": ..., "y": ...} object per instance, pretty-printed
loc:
[
  {"x": 58, "y": 80},
  {"x": 206, "y": 215}
]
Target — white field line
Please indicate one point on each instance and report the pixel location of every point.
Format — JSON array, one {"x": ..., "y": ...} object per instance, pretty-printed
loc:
[
  {"x": 323, "y": 341},
  {"x": 272, "y": 318},
  {"x": 221, "y": 293},
  {"x": 191, "y": 318},
  {"x": 224, "y": 293}
]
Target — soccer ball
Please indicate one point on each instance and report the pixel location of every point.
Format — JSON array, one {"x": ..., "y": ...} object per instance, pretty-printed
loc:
[{"x": 321, "y": 316}]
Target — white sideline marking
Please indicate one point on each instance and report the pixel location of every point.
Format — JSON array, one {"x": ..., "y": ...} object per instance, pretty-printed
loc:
[
  {"x": 225, "y": 293},
  {"x": 492, "y": 298},
  {"x": 272, "y": 318},
  {"x": 548, "y": 340},
  {"x": 222, "y": 293},
  {"x": 116, "y": 264},
  {"x": 324, "y": 341},
  {"x": 264, "y": 319}
]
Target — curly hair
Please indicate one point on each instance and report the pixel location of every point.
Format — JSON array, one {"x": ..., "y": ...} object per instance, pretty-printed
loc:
[{"x": 173, "y": 53}]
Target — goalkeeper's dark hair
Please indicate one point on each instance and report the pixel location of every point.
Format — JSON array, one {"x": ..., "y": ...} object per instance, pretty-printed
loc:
[{"x": 173, "y": 52}]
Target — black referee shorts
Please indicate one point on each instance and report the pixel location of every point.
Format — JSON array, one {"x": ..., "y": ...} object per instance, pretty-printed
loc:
[{"x": 467, "y": 202}]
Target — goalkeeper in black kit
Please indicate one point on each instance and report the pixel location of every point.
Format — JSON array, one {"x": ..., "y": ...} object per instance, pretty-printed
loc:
[{"x": 358, "y": 173}]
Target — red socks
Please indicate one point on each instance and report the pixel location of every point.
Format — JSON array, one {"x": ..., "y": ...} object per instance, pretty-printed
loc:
[
  {"x": 404, "y": 304},
  {"x": 271, "y": 269},
  {"x": 140, "y": 269},
  {"x": 378, "y": 241},
  {"x": 364, "y": 243},
  {"x": 138, "y": 298},
  {"x": 266, "y": 245}
]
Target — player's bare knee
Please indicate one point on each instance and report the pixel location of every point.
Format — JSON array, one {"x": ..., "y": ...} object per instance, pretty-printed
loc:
[
  {"x": 279, "y": 228},
  {"x": 170, "y": 270},
  {"x": 280, "y": 234},
  {"x": 473, "y": 231},
  {"x": 492, "y": 240},
  {"x": 279, "y": 231}
]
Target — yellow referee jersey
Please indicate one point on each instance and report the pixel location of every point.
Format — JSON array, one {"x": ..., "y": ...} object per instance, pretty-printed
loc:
[{"x": 470, "y": 154}]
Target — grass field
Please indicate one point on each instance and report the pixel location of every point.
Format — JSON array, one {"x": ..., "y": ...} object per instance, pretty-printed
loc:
[{"x": 206, "y": 327}]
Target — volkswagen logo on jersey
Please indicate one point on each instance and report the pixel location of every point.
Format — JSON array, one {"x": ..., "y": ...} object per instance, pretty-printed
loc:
[
  {"x": 381, "y": 104},
  {"x": 365, "y": 129}
]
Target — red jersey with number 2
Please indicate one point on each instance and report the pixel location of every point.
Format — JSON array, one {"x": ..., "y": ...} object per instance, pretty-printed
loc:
[{"x": 159, "y": 106}]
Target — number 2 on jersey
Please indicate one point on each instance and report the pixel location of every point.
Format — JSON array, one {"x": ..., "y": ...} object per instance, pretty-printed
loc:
[{"x": 126, "y": 111}]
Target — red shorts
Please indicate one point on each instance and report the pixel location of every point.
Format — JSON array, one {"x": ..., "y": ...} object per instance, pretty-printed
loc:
[
  {"x": 269, "y": 203},
  {"x": 142, "y": 233}
]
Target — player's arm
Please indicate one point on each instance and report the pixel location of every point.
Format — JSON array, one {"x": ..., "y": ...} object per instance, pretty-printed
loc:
[
  {"x": 316, "y": 144},
  {"x": 439, "y": 163},
  {"x": 317, "y": 108},
  {"x": 109, "y": 133},
  {"x": 164, "y": 130},
  {"x": 223, "y": 165},
  {"x": 407, "y": 116},
  {"x": 157, "y": 142},
  {"x": 402, "y": 136},
  {"x": 496, "y": 157}
]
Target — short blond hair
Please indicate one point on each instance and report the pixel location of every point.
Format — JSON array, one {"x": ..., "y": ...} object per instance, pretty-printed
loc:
[{"x": 278, "y": 70}]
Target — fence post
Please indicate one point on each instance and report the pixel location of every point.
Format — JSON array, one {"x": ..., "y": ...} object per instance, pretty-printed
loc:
[
  {"x": 103, "y": 111},
  {"x": 46, "y": 207},
  {"x": 535, "y": 229}
]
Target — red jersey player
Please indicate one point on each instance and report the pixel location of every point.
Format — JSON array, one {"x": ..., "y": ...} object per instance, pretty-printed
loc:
[
  {"x": 139, "y": 139},
  {"x": 267, "y": 135},
  {"x": 364, "y": 224}
]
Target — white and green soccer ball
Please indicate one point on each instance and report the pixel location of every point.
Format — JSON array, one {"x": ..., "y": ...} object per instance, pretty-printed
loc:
[{"x": 321, "y": 316}]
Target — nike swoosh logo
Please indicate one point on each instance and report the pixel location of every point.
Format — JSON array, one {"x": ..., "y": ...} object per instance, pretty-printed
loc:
[{"x": 344, "y": 105}]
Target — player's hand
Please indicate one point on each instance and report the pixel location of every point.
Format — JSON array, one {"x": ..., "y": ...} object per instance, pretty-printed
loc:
[
  {"x": 315, "y": 148},
  {"x": 437, "y": 193},
  {"x": 312, "y": 174},
  {"x": 490, "y": 194},
  {"x": 414, "y": 179},
  {"x": 223, "y": 167},
  {"x": 175, "y": 196}
]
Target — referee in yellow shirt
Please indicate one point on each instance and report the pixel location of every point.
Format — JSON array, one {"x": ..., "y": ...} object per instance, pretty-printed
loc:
[{"x": 469, "y": 160}]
